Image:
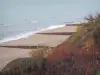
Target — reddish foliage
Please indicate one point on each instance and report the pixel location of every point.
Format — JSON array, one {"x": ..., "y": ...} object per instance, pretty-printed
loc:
[{"x": 60, "y": 52}]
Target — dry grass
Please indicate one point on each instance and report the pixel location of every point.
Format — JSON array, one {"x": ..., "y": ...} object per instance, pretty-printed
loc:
[{"x": 42, "y": 52}]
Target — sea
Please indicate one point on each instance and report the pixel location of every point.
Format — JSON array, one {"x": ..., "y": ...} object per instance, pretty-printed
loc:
[
  {"x": 9, "y": 33},
  {"x": 22, "y": 18}
]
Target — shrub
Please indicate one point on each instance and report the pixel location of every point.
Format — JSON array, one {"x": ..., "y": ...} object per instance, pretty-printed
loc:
[{"x": 40, "y": 53}]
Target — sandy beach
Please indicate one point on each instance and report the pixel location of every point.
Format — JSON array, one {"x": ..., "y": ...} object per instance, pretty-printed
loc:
[{"x": 9, "y": 54}]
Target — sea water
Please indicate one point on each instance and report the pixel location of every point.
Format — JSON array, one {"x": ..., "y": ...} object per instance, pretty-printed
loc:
[{"x": 24, "y": 34}]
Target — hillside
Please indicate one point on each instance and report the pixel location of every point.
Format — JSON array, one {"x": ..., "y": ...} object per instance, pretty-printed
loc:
[{"x": 83, "y": 47}]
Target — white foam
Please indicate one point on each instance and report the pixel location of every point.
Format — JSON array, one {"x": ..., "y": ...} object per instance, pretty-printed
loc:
[{"x": 27, "y": 34}]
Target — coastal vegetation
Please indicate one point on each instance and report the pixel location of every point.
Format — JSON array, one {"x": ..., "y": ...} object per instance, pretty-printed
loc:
[{"x": 79, "y": 55}]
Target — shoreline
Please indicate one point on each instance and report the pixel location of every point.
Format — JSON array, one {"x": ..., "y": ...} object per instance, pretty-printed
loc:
[
  {"x": 27, "y": 34},
  {"x": 9, "y": 54}
]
